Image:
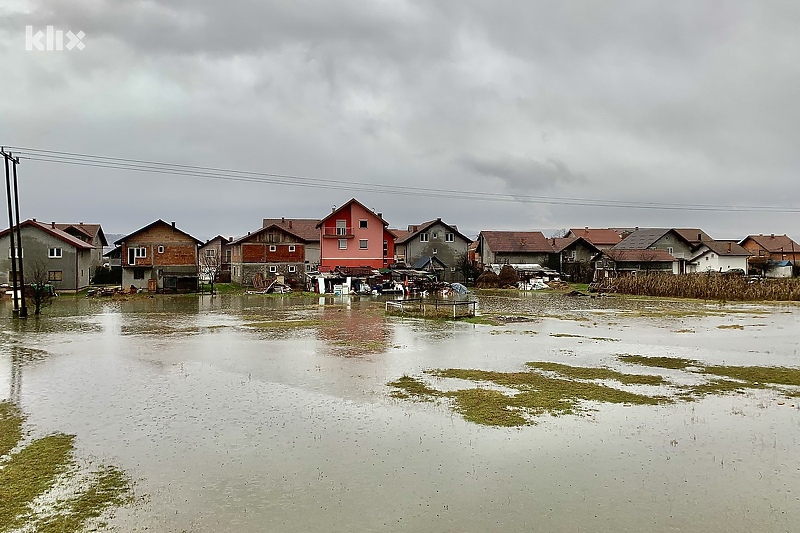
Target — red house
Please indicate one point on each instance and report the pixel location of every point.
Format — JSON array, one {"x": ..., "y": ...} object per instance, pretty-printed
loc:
[{"x": 355, "y": 236}]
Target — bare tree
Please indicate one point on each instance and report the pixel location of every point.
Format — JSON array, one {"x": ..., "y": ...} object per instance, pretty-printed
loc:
[
  {"x": 210, "y": 266},
  {"x": 465, "y": 266},
  {"x": 559, "y": 233},
  {"x": 40, "y": 289}
]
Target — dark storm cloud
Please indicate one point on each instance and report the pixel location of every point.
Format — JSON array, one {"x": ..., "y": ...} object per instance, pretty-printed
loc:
[{"x": 641, "y": 101}]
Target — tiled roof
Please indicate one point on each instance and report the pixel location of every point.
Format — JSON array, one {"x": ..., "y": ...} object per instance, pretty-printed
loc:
[
  {"x": 155, "y": 223},
  {"x": 640, "y": 255},
  {"x": 92, "y": 231},
  {"x": 597, "y": 236},
  {"x": 775, "y": 243},
  {"x": 726, "y": 248},
  {"x": 305, "y": 228},
  {"x": 421, "y": 228},
  {"x": 53, "y": 230},
  {"x": 693, "y": 235},
  {"x": 399, "y": 235},
  {"x": 347, "y": 204},
  {"x": 517, "y": 242}
]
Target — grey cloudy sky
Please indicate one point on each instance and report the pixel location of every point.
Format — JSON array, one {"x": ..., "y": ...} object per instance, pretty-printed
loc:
[{"x": 680, "y": 102}]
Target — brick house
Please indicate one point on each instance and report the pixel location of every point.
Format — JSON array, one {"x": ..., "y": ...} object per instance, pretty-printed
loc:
[
  {"x": 271, "y": 251},
  {"x": 306, "y": 229},
  {"x": 355, "y": 236},
  {"x": 772, "y": 247},
  {"x": 433, "y": 245},
  {"x": 67, "y": 259},
  {"x": 159, "y": 257}
]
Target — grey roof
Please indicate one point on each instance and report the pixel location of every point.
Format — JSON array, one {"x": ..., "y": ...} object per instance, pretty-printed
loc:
[
  {"x": 644, "y": 238},
  {"x": 425, "y": 260}
]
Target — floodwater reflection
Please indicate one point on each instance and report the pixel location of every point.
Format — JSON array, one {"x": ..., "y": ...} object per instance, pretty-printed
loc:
[{"x": 259, "y": 413}]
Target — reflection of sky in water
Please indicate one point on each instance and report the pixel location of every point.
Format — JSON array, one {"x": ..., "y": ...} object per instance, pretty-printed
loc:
[{"x": 231, "y": 429}]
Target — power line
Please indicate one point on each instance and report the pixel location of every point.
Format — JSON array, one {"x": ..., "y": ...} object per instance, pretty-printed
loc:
[{"x": 288, "y": 180}]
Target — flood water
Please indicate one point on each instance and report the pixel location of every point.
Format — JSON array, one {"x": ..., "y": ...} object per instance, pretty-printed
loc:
[{"x": 228, "y": 420}]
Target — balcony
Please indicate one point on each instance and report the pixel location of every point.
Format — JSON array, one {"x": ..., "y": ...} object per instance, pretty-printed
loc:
[{"x": 338, "y": 233}]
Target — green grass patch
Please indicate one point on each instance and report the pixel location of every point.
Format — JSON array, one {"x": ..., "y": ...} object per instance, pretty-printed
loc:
[
  {"x": 590, "y": 373},
  {"x": 10, "y": 426},
  {"x": 33, "y": 471},
  {"x": 481, "y": 319},
  {"x": 675, "y": 363},
  {"x": 730, "y": 326},
  {"x": 30, "y": 473},
  {"x": 757, "y": 374}
]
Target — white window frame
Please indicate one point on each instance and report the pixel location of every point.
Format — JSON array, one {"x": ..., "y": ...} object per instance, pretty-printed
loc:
[
  {"x": 292, "y": 248},
  {"x": 343, "y": 244},
  {"x": 449, "y": 237},
  {"x": 15, "y": 252},
  {"x": 273, "y": 269},
  {"x": 669, "y": 250},
  {"x": 292, "y": 269},
  {"x": 363, "y": 224},
  {"x": 435, "y": 251},
  {"x": 424, "y": 237},
  {"x": 210, "y": 252},
  {"x": 55, "y": 253},
  {"x": 363, "y": 244},
  {"x": 273, "y": 248},
  {"x": 161, "y": 249},
  {"x": 341, "y": 227}
]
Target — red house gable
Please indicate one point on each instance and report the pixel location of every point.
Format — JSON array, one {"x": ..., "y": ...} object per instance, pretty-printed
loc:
[{"x": 355, "y": 236}]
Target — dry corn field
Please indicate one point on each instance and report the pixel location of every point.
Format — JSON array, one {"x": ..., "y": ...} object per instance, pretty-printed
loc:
[{"x": 708, "y": 287}]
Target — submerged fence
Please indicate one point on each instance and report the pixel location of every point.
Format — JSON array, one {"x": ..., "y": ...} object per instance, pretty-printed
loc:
[{"x": 432, "y": 308}]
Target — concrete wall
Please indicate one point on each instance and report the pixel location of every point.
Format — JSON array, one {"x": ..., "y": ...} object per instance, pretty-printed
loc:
[
  {"x": 446, "y": 252},
  {"x": 74, "y": 265}
]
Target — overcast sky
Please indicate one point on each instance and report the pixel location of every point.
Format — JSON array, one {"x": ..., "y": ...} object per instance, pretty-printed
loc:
[{"x": 672, "y": 102}]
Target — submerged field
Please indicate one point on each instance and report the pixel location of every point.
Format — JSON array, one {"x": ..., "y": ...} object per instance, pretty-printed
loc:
[{"x": 245, "y": 413}]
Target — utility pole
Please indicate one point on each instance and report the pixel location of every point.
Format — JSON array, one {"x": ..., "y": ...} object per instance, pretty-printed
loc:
[
  {"x": 12, "y": 251},
  {"x": 23, "y": 309}
]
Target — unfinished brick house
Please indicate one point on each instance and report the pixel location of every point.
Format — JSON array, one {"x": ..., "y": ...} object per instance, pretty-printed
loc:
[
  {"x": 271, "y": 251},
  {"x": 159, "y": 257}
]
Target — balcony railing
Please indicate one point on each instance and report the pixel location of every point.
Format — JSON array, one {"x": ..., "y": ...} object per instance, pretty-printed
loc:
[{"x": 338, "y": 232}]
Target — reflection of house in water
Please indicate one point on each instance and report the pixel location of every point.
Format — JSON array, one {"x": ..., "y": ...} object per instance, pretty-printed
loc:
[{"x": 352, "y": 331}]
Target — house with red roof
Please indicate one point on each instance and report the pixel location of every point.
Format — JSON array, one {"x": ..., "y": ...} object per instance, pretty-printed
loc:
[
  {"x": 771, "y": 253},
  {"x": 354, "y": 236},
  {"x": 67, "y": 259},
  {"x": 160, "y": 257},
  {"x": 602, "y": 238},
  {"x": 516, "y": 248}
]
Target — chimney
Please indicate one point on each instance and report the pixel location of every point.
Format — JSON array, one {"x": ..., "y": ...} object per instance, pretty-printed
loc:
[
  {"x": 173, "y": 223},
  {"x": 230, "y": 239},
  {"x": 729, "y": 247},
  {"x": 772, "y": 236},
  {"x": 33, "y": 219},
  {"x": 699, "y": 236},
  {"x": 290, "y": 224},
  {"x": 80, "y": 223},
  {"x": 53, "y": 225},
  {"x": 283, "y": 219},
  {"x": 333, "y": 208},
  {"x": 380, "y": 215}
]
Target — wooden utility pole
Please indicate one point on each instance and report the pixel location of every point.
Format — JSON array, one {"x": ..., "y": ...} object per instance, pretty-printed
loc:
[{"x": 12, "y": 251}]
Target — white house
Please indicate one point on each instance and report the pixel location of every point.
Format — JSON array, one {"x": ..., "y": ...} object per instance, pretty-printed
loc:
[{"x": 718, "y": 256}]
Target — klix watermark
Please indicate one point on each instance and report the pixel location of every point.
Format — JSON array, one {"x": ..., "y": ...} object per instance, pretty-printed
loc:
[{"x": 52, "y": 39}]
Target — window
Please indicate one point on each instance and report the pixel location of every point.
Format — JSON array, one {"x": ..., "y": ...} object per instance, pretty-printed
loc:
[
  {"x": 138, "y": 273},
  {"x": 341, "y": 228},
  {"x": 435, "y": 251},
  {"x": 210, "y": 252},
  {"x": 54, "y": 253},
  {"x": 161, "y": 250},
  {"x": 15, "y": 252},
  {"x": 362, "y": 224},
  {"x": 272, "y": 248},
  {"x": 449, "y": 237},
  {"x": 343, "y": 244},
  {"x": 273, "y": 269},
  {"x": 385, "y": 248},
  {"x": 452, "y": 269},
  {"x": 135, "y": 253},
  {"x": 292, "y": 268},
  {"x": 227, "y": 256},
  {"x": 308, "y": 268},
  {"x": 669, "y": 250},
  {"x": 435, "y": 235},
  {"x": 292, "y": 248},
  {"x": 423, "y": 237},
  {"x": 55, "y": 275},
  {"x": 362, "y": 244}
]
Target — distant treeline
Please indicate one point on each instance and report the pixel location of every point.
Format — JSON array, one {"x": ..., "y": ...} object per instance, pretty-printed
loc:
[{"x": 707, "y": 286}]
